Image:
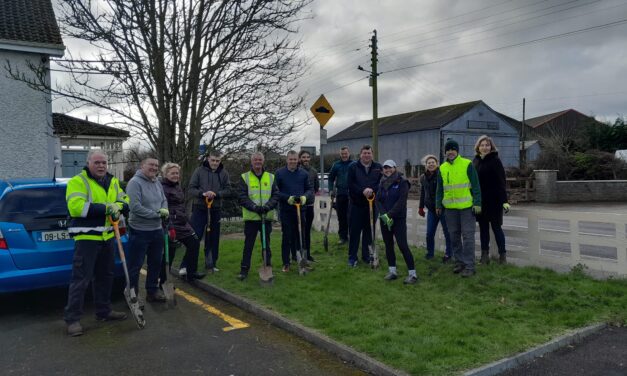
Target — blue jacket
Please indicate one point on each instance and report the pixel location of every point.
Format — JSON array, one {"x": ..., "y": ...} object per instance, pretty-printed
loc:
[
  {"x": 392, "y": 196},
  {"x": 292, "y": 183},
  {"x": 338, "y": 177},
  {"x": 358, "y": 180}
]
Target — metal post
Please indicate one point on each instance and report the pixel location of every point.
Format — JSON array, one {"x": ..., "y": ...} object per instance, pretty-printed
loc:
[
  {"x": 375, "y": 127},
  {"x": 321, "y": 160}
]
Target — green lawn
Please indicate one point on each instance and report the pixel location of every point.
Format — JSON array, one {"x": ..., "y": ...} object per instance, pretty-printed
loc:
[{"x": 440, "y": 326}]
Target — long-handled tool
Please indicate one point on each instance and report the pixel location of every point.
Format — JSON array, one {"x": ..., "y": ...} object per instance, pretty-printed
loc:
[
  {"x": 374, "y": 256},
  {"x": 129, "y": 293},
  {"x": 167, "y": 286},
  {"x": 209, "y": 255},
  {"x": 265, "y": 272},
  {"x": 301, "y": 255},
  {"x": 326, "y": 229}
]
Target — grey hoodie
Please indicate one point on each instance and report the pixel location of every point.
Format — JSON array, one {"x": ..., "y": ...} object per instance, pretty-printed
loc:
[{"x": 146, "y": 198}]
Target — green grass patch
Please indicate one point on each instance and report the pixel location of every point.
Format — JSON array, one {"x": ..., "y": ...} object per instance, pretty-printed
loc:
[{"x": 440, "y": 326}]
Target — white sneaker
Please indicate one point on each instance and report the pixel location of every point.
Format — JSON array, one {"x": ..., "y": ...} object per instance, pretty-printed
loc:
[
  {"x": 216, "y": 270},
  {"x": 182, "y": 272}
]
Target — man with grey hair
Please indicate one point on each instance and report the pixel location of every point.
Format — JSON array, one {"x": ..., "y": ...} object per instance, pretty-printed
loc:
[{"x": 92, "y": 197}]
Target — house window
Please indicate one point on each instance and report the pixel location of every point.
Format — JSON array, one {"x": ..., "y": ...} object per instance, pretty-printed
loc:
[{"x": 477, "y": 124}]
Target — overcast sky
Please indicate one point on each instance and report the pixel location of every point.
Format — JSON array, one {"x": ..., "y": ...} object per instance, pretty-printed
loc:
[{"x": 586, "y": 71}]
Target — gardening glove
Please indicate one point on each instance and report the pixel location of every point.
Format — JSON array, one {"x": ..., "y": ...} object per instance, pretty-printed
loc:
[
  {"x": 259, "y": 209},
  {"x": 303, "y": 200},
  {"x": 172, "y": 233},
  {"x": 266, "y": 209},
  {"x": 163, "y": 213},
  {"x": 113, "y": 209},
  {"x": 506, "y": 207},
  {"x": 476, "y": 210},
  {"x": 421, "y": 212},
  {"x": 387, "y": 221},
  {"x": 291, "y": 200}
]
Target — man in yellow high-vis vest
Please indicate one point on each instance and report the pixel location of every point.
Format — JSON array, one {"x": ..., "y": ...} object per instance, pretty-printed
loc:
[
  {"x": 458, "y": 195},
  {"x": 91, "y": 197},
  {"x": 258, "y": 196}
]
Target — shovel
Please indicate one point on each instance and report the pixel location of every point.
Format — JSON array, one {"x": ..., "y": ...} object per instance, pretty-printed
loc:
[
  {"x": 326, "y": 229},
  {"x": 265, "y": 272},
  {"x": 129, "y": 293},
  {"x": 209, "y": 255},
  {"x": 167, "y": 286},
  {"x": 301, "y": 255},
  {"x": 374, "y": 256}
]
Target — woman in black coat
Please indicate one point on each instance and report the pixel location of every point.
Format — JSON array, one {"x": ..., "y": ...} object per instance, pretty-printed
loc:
[
  {"x": 493, "y": 197},
  {"x": 183, "y": 232}
]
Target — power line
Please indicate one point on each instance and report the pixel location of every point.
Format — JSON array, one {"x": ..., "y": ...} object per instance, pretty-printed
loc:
[{"x": 533, "y": 41}]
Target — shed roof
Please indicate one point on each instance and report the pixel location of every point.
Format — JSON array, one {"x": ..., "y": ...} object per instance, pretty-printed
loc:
[
  {"x": 29, "y": 23},
  {"x": 433, "y": 118},
  {"x": 65, "y": 125}
]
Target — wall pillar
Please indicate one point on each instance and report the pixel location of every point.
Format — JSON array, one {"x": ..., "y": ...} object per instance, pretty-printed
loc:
[{"x": 546, "y": 185}]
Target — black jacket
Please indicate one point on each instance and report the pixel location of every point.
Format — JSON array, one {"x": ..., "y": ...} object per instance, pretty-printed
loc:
[
  {"x": 245, "y": 201},
  {"x": 204, "y": 179},
  {"x": 493, "y": 189},
  {"x": 176, "y": 205},
  {"x": 392, "y": 196},
  {"x": 428, "y": 185},
  {"x": 358, "y": 180}
]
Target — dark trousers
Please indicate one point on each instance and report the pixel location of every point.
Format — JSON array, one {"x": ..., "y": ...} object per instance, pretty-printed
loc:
[
  {"x": 145, "y": 245},
  {"x": 212, "y": 239},
  {"x": 398, "y": 232},
  {"x": 309, "y": 216},
  {"x": 484, "y": 234},
  {"x": 190, "y": 260},
  {"x": 341, "y": 208},
  {"x": 251, "y": 228},
  {"x": 432, "y": 227},
  {"x": 359, "y": 224},
  {"x": 290, "y": 234},
  {"x": 92, "y": 259}
]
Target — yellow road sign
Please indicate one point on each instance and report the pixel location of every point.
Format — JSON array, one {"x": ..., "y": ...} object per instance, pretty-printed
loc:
[{"x": 322, "y": 110}]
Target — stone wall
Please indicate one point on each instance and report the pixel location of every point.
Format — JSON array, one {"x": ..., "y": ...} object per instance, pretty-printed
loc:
[{"x": 548, "y": 189}]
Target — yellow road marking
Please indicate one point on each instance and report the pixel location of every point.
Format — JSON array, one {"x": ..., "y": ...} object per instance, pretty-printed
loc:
[{"x": 233, "y": 322}]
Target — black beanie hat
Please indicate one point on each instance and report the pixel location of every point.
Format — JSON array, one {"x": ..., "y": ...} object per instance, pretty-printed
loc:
[{"x": 451, "y": 145}]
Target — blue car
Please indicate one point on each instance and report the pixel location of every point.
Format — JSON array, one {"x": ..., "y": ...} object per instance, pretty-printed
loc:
[{"x": 35, "y": 247}]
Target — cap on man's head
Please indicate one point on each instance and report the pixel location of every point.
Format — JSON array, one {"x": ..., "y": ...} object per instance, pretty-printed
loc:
[
  {"x": 389, "y": 163},
  {"x": 451, "y": 145}
]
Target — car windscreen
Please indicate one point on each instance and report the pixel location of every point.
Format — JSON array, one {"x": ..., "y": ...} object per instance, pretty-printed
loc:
[{"x": 33, "y": 205}]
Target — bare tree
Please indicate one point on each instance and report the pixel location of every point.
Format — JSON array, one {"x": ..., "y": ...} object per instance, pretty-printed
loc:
[{"x": 182, "y": 72}]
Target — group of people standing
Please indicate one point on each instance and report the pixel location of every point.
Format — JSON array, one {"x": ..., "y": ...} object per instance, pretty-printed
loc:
[
  {"x": 456, "y": 194},
  {"x": 362, "y": 191}
]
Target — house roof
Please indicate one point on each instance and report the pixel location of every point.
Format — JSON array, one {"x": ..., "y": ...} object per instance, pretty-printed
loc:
[
  {"x": 432, "y": 118},
  {"x": 539, "y": 120},
  {"x": 65, "y": 125},
  {"x": 29, "y": 23}
]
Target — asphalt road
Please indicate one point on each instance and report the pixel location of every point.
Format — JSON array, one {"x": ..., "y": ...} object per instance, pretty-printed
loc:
[
  {"x": 187, "y": 339},
  {"x": 602, "y": 354}
]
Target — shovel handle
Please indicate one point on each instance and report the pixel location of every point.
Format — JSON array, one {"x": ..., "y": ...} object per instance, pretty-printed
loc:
[
  {"x": 116, "y": 231},
  {"x": 208, "y": 202},
  {"x": 371, "y": 198}
]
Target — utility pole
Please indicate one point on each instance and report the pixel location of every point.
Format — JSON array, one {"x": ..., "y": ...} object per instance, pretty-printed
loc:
[
  {"x": 373, "y": 83},
  {"x": 523, "y": 153}
]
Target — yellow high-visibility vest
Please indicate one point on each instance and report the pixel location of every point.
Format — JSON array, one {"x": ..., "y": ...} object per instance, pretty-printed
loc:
[
  {"x": 456, "y": 184},
  {"x": 259, "y": 191}
]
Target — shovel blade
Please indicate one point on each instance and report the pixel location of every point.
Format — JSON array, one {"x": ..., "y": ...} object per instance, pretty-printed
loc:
[
  {"x": 265, "y": 273},
  {"x": 133, "y": 304},
  {"x": 374, "y": 257},
  {"x": 168, "y": 291}
]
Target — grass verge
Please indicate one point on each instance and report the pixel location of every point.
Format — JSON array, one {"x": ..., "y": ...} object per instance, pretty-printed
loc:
[{"x": 440, "y": 326}]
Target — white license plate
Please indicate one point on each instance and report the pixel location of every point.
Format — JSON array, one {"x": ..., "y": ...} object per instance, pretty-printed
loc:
[{"x": 50, "y": 236}]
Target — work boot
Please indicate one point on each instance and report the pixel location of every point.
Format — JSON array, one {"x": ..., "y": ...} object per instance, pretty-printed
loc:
[
  {"x": 75, "y": 329},
  {"x": 390, "y": 277},
  {"x": 410, "y": 280},
  {"x": 242, "y": 276},
  {"x": 485, "y": 257},
  {"x": 112, "y": 316},
  {"x": 467, "y": 273},
  {"x": 446, "y": 259},
  {"x": 502, "y": 258},
  {"x": 286, "y": 268},
  {"x": 157, "y": 297},
  {"x": 458, "y": 268},
  {"x": 310, "y": 259}
]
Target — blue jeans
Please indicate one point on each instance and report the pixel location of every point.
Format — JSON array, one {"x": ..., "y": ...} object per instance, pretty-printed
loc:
[
  {"x": 461, "y": 228},
  {"x": 432, "y": 227},
  {"x": 212, "y": 240},
  {"x": 145, "y": 245}
]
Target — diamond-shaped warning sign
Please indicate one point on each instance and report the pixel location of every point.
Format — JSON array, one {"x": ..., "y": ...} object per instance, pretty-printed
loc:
[{"x": 322, "y": 110}]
